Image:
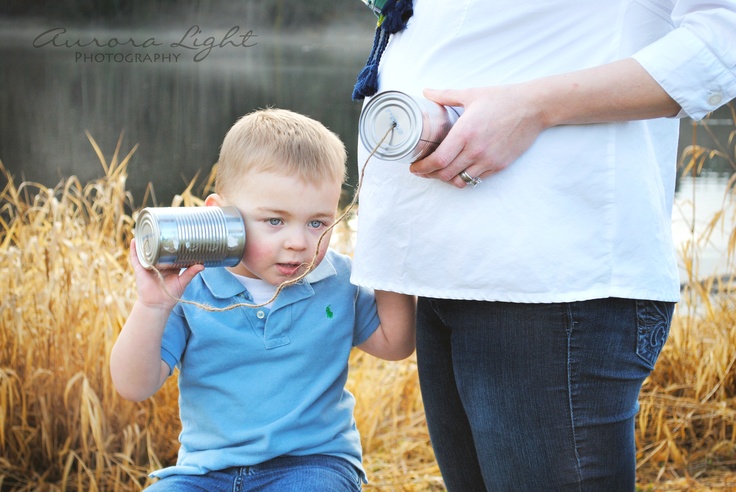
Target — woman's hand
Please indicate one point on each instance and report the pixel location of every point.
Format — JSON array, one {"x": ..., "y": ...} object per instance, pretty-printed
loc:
[
  {"x": 498, "y": 124},
  {"x": 501, "y": 122}
]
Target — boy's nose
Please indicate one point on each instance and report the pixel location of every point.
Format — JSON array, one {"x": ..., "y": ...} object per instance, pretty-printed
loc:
[{"x": 297, "y": 241}]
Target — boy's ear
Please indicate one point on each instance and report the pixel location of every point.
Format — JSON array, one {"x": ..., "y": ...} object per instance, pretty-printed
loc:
[{"x": 213, "y": 200}]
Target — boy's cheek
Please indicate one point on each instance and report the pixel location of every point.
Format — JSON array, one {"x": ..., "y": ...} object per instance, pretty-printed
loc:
[
  {"x": 323, "y": 247},
  {"x": 253, "y": 252}
]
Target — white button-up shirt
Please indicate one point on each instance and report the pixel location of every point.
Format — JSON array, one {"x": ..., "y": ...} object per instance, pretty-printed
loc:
[{"x": 586, "y": 211}]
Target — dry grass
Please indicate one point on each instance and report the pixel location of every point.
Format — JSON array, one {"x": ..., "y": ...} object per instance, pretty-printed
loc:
[
  {"x": 686, "y": 429},
  {"x": 66, "y": 288}
]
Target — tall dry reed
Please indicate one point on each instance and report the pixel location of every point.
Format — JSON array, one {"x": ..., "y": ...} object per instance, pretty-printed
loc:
[
  {"x": 686, "y": 428},
  {"x": 66, "y": 288}
]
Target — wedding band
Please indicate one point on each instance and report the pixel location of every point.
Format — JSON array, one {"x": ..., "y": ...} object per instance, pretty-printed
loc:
[{"x": 469, "y": 179}]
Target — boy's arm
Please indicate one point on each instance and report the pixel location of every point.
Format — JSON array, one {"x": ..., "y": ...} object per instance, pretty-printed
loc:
[
  {"x": 136, "y": 366},
  {"x": 394, "y": 339},
  {"x": 135, "y": 361}
]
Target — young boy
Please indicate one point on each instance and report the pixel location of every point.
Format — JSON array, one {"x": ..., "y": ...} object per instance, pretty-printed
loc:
[{"x": 262, "y": 398}]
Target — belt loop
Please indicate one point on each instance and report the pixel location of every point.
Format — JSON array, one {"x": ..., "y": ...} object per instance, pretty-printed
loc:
[{"x": 238, "y": 482}]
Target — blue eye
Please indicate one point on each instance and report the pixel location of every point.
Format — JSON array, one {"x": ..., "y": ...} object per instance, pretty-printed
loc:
[
  {"x": 275, "y": 222},
  {"x": 316, "y": 224}
]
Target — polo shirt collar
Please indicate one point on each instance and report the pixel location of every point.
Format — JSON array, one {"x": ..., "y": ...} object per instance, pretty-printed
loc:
[
  {"x": 224, "y": 285},
  {"x": 221, "y": 283},
  {"x": 324, "y": 269}
]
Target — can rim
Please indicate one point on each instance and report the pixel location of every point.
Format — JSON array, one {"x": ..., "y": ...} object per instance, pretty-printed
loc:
[
  {"x": 145, "y": 220},
  {"x": 406, "y": 113}
]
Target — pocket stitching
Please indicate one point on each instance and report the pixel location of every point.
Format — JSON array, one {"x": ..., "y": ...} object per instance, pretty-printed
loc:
[{"x": 652, "y": 330}]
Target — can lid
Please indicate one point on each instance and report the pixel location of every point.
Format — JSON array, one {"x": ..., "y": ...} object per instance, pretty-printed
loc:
[
  {"x": 147, "y": 238},
  {"x": 383, "y": 110}
]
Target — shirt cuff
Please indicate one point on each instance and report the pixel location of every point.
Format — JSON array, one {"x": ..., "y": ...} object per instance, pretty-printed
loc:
[
  {"x": 690, "y": 72},
  {"x": 170, "y": 360}
]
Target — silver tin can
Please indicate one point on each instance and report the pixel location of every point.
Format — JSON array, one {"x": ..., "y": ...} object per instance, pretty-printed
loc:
[
  {"x": 177, "y": 237},
  {"x": 421, "y": 125}
]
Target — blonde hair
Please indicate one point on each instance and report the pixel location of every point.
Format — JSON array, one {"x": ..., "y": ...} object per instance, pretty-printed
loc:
[{"x": 280, "y": 141}]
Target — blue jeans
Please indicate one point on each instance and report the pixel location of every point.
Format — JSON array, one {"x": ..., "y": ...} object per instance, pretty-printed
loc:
[
  {"x": 317, "y": 473},
  {"x": 536, "y": 397}
]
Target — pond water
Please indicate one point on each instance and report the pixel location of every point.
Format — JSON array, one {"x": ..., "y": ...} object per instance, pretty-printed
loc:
[
  {"x": 175, "y": 96},
  {"x": 703, "y": 220},
  {"x": 174, "y": 102}
]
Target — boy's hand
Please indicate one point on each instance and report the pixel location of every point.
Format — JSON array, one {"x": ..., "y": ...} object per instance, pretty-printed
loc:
[{"x": 150, "y": 287}]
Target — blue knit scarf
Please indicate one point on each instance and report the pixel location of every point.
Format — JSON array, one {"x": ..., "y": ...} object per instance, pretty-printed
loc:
[{"x": 392, "y": 18}]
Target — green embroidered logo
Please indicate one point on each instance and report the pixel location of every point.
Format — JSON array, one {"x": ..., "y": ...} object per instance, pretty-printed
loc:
[{"x": 329, "y": 312}]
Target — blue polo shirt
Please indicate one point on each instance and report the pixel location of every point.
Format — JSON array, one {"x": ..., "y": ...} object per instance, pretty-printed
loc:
[{"x": 259, "y": 383}]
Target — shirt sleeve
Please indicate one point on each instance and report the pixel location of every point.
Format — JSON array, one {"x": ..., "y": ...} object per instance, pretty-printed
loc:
[
  {"x": 366, "y": 315},
  {"x": 175, "y": 338},
  {"x": 696, "y": 62}
]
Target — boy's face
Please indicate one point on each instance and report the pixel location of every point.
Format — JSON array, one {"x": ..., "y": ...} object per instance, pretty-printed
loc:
[{"x": 284, "y": 218}]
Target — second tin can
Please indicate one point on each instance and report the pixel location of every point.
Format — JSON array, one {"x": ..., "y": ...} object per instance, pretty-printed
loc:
[
  {"x": 177, "y": 237},
  {"x": 421, "y": 125}
]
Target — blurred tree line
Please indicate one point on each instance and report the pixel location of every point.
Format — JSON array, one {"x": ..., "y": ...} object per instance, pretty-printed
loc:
[{"x": 266, "y": 13}]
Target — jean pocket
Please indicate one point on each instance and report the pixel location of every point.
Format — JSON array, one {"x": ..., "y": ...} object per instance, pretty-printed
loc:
[{"x": 653, "y": 326}]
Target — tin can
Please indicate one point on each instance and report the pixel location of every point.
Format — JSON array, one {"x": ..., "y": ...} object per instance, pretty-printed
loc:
[
  {"x": 177, "y": 237},
  {"x": 421, "y": 125}
]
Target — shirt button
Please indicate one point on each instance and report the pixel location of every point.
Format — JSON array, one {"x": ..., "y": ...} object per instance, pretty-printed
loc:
[
  {"x": 715, "y": 99},
  {"x": 260, "y": 314}
]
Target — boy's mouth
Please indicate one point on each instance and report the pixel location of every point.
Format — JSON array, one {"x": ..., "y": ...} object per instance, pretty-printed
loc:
[{"x": 288, "y": 269}]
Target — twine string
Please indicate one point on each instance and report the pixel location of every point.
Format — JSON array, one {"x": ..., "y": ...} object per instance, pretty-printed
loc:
[{"x": 310, "y": 266}]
